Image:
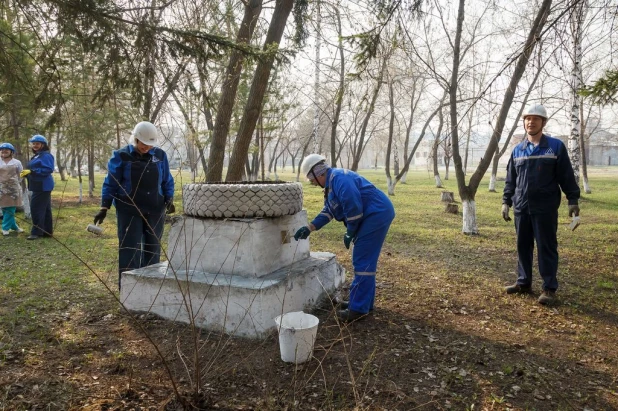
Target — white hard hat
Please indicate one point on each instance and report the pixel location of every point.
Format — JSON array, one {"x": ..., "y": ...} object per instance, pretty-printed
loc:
[
  {"x": 309, "y": 162},
  {"x": 146, "y": 132},
  {"x": 535, "y": 110}
]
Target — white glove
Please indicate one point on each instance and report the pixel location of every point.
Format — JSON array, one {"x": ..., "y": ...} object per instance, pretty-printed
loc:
[{"x": 505, "y": 212}]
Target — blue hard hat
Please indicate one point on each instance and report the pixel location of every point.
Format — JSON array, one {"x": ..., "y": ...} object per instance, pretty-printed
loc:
[
  {"x": 37, "y": 138},
  {"x": 8, "y": 146}
]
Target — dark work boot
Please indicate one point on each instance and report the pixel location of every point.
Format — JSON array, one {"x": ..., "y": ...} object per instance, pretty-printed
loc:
[
  {"x": 547, "y": 297},
  {"x": 347, "y": 315},
  {"x": 343, "y": 305},
  {"x": 517, "y": 289}
]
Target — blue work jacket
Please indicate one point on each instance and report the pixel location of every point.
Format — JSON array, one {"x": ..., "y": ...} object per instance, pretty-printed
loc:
[
  {"x": 41, "y": 166},
  {"x": 534, "y": 179},
  {"x": 127, "y": 167},
  {"x": 351, "y": 198}
]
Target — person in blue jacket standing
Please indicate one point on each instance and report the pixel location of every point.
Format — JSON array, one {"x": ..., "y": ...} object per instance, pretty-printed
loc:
[
  {"x": 140, "y": 185},
  {"x": 40, "y": 183},
  {"x": 538, "y": 169},
  {"x": 367, "y": 214}
]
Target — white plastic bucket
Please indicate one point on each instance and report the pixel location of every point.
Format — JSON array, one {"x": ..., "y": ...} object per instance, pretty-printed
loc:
[{"x": 297, "y": 332}]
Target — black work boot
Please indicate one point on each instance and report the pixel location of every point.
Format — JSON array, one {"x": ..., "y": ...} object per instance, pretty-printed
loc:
[
  {"x": 547, "y": 297},
  {"x": 344, "y": 305},
  {"x": 517, "y": 289},
  {"x": 348, "y": 315}
]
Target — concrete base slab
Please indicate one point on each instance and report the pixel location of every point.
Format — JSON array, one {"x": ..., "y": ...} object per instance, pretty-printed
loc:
[{"x": 233, "y": 304}]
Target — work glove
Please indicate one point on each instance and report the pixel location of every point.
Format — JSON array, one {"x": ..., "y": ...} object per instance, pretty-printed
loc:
[
  {"x": 573, "y": 210},
  {"x": 302, "y": 233},
  {"x": 24, "y": 173},
  {"x": 100, "y": 216},
  {"x": 348, "y": 238},
  {"x": 505, "y": 212},
  {"x": 170, "y": 208}
]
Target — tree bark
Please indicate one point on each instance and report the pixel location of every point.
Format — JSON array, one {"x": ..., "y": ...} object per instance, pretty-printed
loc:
[
  {"x": 434, "y": 150},
  {"x": 339, "y": 95},
  {"x": 578, "y": 14},
  {"x": 258, "y": 89},
  {"x": 391, "y": 127},
  {"x": 228, "y": 93}
]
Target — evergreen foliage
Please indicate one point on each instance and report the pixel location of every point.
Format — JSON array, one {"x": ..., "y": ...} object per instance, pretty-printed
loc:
[{"x": 603, "y": 91}]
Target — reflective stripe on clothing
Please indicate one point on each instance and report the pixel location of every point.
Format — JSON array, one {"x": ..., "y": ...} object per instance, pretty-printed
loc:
[{"x": 364, "y": 273}]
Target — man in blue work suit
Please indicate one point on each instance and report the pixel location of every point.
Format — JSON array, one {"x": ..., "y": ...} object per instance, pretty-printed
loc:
[
  {"x": 367, "y": 214},
  {"x": 141, "y": 187},
  {"x": 538, "y": 169}
]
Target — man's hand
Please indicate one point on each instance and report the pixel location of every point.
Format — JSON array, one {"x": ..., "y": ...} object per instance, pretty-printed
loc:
[
  {"x": 170, "y": 208},
  {"x": 302, "y": 233},
  {"x": 573, "y": 210},
  {"x": 24, "y": 173},
  {"x": 505, "y": 212},
  {"x": 348, "y": 238},
  {"x": 100, "y": 216}
]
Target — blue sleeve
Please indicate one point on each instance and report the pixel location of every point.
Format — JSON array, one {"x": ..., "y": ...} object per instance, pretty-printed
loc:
[
  {"x": 112, "y": 181},
  {"x": 344, "y": 187},
  {"x": 509, "y": 184},
  {"x": 43, "y": 165},
  {"x": 167, "y": 183},
  {"x": 322, "y": 219},
  {"x": 566, "y": 176}
]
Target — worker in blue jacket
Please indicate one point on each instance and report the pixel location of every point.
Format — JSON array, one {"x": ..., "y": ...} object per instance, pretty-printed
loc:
[
  {"x": 140, "y": 185},
  {"x": 539, "y": 168},
  {"x": 40, "y": 183},
  {"x": 367, "y": 214}
]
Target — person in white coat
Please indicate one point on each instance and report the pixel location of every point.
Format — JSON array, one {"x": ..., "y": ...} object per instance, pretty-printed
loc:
[{"x": 10, "y": 188}]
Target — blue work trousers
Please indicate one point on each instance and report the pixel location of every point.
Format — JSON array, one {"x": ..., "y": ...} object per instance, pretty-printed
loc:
[
  {"x": 365, "y": 254},
  {"x": 541, "y": 228},
  {"x": 40, "y": 209},
  {"x": 139, "y": 240}
]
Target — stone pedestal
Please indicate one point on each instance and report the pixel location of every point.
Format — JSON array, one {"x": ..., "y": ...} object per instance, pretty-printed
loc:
[
  {"x": 251, "y": 247},
  {"x": 233, "y": 275},
  {"x": 237, "y": 305}
]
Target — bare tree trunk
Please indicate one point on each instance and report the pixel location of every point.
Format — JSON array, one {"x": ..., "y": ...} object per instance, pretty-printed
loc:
[
  {"x": 468, "y": 192},
  {"x": 391, "y": 126},
  {"x": 434, "y": 150},
  {"x": 468, "y": 134},
  {"x": 262, "y": 148},
  {"x": 578, "y": 14},
  {"x": 316, "y": 81},
  {"x": 582, "y": 148},
  {"x": 194, "y": 138},
  {"x": 149, "y": 71},
  {"x": 229, "y": 88},
  {"x": 91, "y": 169},
  {"x": 117, "y": 121},
  {"x": 170, "y": 85},
  {"x": 253, "y": 106},
  {"x": 357, "y": 151},
  {"x": 339, "y": 95}
]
